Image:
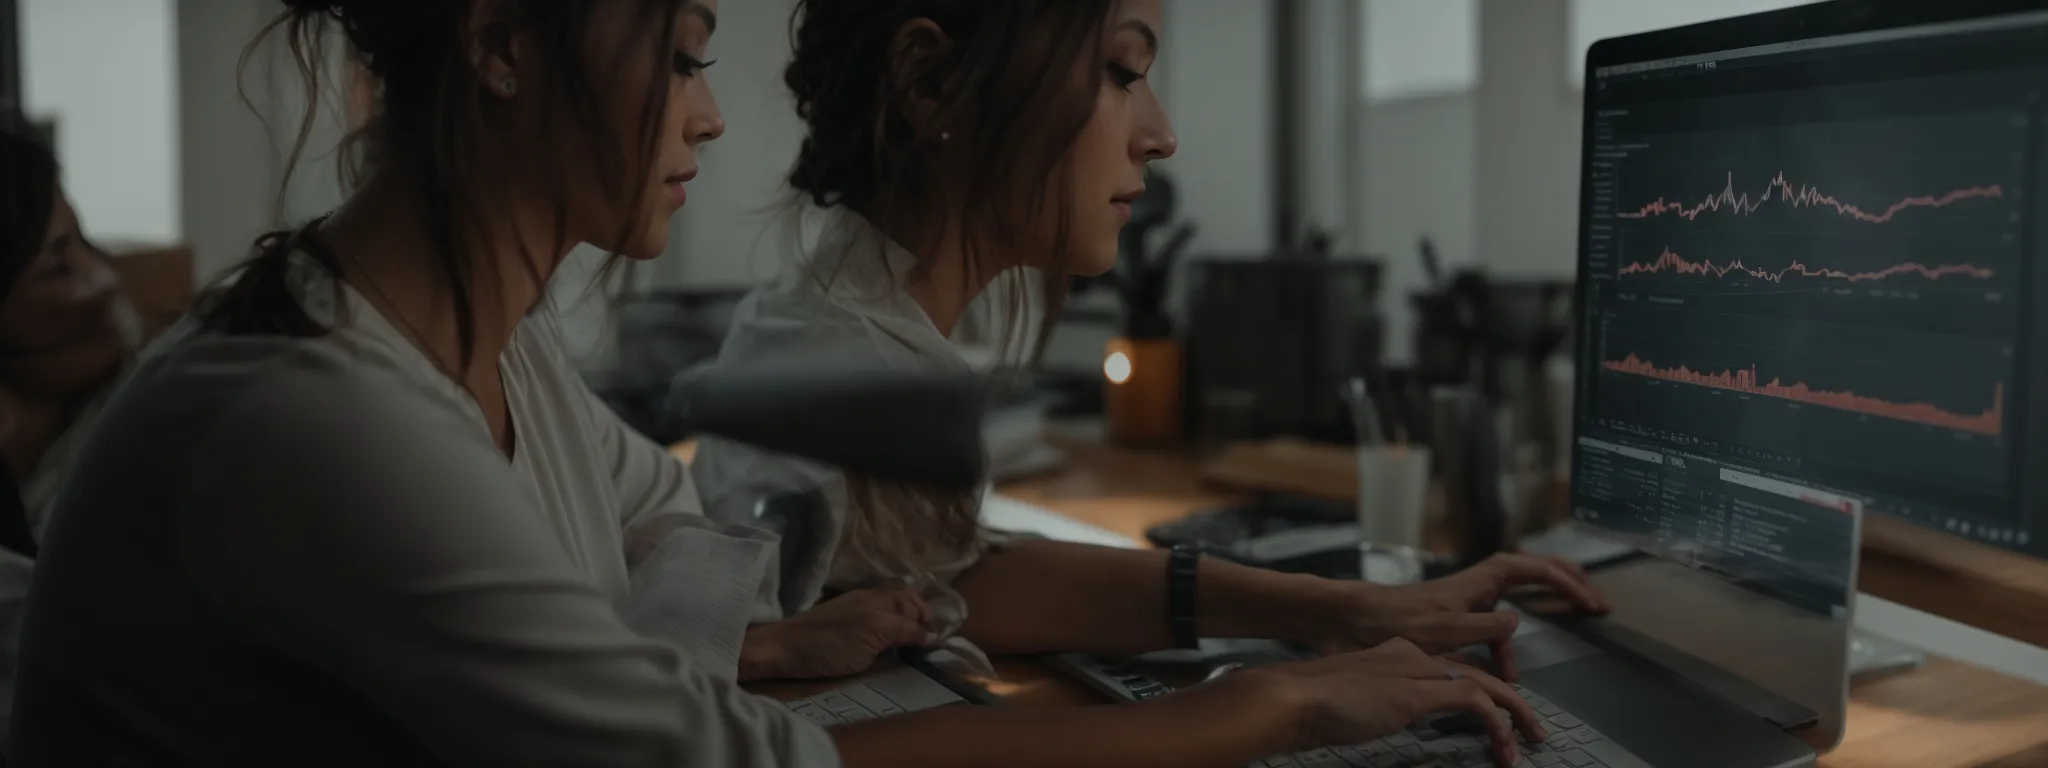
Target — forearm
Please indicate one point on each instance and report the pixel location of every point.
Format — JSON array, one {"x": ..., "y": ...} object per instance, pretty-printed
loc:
[
  {"x": 1210, "y": 725},
  {"x": 1039, "y": 596},
  {"x": 761, "y": 653}
]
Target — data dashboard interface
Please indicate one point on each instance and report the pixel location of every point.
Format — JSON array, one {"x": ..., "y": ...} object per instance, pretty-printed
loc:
[{"x": 1810, "y": 284}]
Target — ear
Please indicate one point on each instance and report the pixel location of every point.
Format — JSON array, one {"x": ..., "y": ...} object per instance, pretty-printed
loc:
[
  {"x": 919, "y": 56},
  {"x": 494, "y": 46}
]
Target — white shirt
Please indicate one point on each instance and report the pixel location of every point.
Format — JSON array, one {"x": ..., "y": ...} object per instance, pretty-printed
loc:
[
  {"x": 319, "y": 556},
  {"x": 840, "y": 303}
]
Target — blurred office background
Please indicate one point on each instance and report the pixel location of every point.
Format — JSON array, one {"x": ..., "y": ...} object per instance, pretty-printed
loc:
[
  {"x": 1371, "y": 123},
  {"x": 1455, "y": 119}
]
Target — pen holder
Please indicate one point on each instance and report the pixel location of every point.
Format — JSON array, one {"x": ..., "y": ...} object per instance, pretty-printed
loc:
[{"x": 1141, "y": 390}]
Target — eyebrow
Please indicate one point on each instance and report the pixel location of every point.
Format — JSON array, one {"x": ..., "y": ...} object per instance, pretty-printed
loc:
[
  {"x": 698, "y": 10},
  {"x": 1151, "y": 37}
]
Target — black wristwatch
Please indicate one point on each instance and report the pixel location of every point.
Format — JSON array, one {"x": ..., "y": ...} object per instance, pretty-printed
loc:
[{"x": 1181, "y": 567}]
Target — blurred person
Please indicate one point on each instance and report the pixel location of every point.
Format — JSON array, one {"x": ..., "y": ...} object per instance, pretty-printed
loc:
[
  {"x": 954, "y": 155},
  {"x": 66, "y": 334},
  {"x": 66, "y": 330},
  {"x": 358, "y": 510}
]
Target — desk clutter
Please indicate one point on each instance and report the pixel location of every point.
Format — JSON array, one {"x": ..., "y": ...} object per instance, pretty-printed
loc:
[{"x": 1477, "y": 518}]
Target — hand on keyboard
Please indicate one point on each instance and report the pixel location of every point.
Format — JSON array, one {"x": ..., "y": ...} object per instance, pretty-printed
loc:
[
  {"x": 1363, "y": 696},
  {"x": 1450, "y": 613}
]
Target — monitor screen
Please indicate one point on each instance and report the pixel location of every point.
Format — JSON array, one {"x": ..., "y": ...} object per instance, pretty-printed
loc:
[{"x": 1809, "y": 275}]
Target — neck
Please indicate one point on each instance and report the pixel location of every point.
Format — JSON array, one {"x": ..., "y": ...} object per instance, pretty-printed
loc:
[
  {"x": 388, "y": 254},
  {"x": 945, "y": 281}
]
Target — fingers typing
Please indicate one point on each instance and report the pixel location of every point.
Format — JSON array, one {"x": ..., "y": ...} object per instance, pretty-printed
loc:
[
  {"x": 1467, "y": 695},
  {"x": 1504, "y": 697},
  {"x": 1553, "y": 573}
]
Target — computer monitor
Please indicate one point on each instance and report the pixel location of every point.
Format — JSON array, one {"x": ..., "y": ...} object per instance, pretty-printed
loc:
[{"x": 1811, "y": 274}]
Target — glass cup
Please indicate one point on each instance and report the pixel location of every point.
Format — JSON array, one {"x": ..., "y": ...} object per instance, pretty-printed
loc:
[{"x": 1393, "y": 494}]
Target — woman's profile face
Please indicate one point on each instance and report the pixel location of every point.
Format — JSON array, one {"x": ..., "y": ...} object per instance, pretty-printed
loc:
[
  {"x": 690, "y": 119},
  {"x": 60, "y": 330},
  {"x": 1128, "y": 130}
]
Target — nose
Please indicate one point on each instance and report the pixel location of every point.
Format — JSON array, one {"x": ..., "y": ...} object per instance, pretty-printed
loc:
[
  {"x": 1156, "y": 144},
  {"x": 705, "y": 121},
  {"x": 706, "y": 129}
]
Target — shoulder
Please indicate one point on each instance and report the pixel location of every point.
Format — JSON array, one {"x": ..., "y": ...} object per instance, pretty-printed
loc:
[
  {"x": 779, "y": 323},
  {"x": 237, "y": 400}
]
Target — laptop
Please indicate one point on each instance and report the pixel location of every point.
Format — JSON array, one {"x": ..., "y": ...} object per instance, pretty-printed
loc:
[{"x": 1717, "y": 655}]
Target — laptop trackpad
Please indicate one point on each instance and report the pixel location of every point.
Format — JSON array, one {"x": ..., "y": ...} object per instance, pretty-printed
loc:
[{"x": 1662, "y": 721}]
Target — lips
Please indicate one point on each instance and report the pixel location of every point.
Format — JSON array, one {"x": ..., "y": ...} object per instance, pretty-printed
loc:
[
  {"x": 1122, "y": 201},
  {"x": 675, "y": 185}
]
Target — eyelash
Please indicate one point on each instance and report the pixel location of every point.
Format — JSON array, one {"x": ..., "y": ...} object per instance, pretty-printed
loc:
[
  {"x": 687, "y": 66},
  {"x": 1123, "y": 76}
]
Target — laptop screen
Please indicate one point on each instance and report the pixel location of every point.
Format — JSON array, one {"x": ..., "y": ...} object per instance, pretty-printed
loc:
[{"x": 1807, "y": 280}]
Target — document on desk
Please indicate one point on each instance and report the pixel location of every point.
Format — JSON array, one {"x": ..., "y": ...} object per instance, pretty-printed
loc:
[{"x": 1007, "y": 514}]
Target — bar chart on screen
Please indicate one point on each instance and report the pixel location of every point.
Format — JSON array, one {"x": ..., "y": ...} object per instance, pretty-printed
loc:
[{"x": 1932, "y": 404}]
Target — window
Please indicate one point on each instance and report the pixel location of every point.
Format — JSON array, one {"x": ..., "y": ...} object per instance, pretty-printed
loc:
[
  {"x": 107, "y": 71},
  {"x": 1595, "y": 20},
  {"x": 1419, "y": 48}
]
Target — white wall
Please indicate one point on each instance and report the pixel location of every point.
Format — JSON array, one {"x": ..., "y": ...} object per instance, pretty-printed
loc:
[
  {"x": 230, "y": 188},
  {"x": 1419, "y": 48},
  {"x": 106, "y": 70},
  {"x": 1417, "y": 175},
  {"x": 722, "y": 237},
  {"x": 1218, "y": 74},
  {"x": 1528, "y": 183}
]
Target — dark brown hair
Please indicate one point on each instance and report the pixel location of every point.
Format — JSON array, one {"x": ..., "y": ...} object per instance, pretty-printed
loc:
[
  {"x": 430, "y": 105},
  {"x": 1013, "y": 83},
  {"x": 28, "y": 198}
]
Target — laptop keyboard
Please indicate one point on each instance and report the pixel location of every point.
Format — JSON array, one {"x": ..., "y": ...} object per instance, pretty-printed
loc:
[
  {"x": 851, "y": 704},
  {"x": 1455, "y": 742},
  {"x": 882, "y": 694}
]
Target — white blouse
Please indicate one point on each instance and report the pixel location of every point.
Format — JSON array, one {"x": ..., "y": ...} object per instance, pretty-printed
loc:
[
  {"x": 316, "y": 542},
  {"x": 839, "y": 303}
]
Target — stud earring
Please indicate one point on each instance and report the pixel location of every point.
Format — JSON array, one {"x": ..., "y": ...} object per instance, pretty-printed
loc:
[
  {"x": 509, "y": 87},
  {"x": 945, "y": 135}
]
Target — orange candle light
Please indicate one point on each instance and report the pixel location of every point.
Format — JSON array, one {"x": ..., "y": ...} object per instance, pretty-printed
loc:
[{"x": 1141, "y": 395}]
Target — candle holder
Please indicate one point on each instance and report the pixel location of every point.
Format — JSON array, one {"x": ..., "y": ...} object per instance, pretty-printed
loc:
[{"x": 1141, "y": 395}]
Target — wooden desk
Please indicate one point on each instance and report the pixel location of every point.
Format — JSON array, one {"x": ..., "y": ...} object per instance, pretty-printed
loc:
[{"x": 1947, "y": 715}]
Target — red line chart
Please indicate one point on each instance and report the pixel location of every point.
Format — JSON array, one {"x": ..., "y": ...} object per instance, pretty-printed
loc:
[
  {"x": 1803, "y": 196},
  {"x": 1670, "y": 262},
  {"x": 1990, "y": 421}
]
